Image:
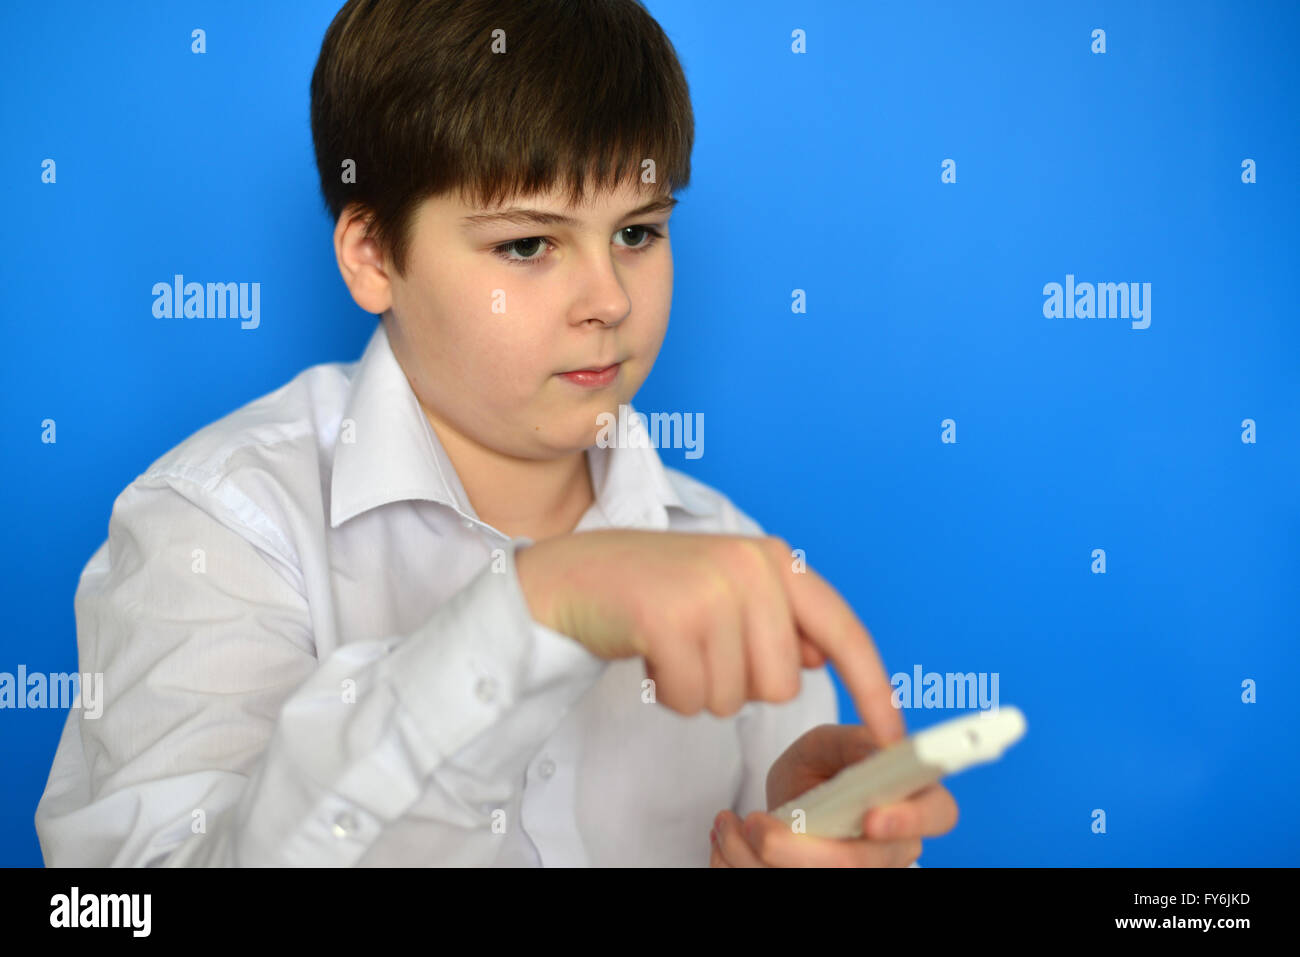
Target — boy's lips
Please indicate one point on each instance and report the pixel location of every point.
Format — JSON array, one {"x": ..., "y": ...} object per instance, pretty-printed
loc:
[
  {"x": 604, "y": 368},
  {"x": 594, "y": 378}
]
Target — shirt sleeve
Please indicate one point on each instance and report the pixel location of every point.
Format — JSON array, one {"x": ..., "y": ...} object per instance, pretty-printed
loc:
[
  {"x": 224, "y": 741},
  {"x": 766, "y": 729}
]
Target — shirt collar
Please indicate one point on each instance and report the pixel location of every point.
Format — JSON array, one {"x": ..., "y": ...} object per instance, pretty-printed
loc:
[{"x": 388, "y": 452}]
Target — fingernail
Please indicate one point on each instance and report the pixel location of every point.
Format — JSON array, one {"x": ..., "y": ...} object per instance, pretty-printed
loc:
[{"x": 713, "y": 837}]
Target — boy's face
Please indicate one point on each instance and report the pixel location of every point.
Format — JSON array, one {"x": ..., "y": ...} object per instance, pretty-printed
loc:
[{"x": 492, "y": 312}]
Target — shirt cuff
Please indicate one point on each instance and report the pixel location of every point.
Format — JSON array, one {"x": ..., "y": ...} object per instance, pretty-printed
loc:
[{"x": 482, "y": 661}]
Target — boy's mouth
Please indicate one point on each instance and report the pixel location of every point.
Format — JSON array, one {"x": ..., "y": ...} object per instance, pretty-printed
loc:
[
  {"x": 604, "y": 368},
  {"x": 594, "y": 377},
  {"x": 593, "y": 369}
]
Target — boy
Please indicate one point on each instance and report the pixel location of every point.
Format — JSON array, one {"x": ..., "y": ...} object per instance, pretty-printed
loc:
[{"x": 407, "y": 611}]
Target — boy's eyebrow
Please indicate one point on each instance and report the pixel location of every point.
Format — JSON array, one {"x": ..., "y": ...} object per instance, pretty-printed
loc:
[{"x": 517, "y": 216}]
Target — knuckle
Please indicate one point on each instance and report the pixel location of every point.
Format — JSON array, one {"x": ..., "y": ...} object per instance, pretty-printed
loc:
[
  {"x": 725, "y": 707},
  {"x": 787, "y": 684},
  {"x": 770, "y": 695},
  {"x": 743, "y": 558},
  {"x": 782, "y": 681},
  {"x": 708, "y": 598},
  {"x": 778, "y": 551},
  {"x": 777, "y": 544},
  {"x": 650, "y": 620},
  {"x": 683, "y": 701},
  {"x": 719, "y": 595},
  {"x": 686, "y": 618}
]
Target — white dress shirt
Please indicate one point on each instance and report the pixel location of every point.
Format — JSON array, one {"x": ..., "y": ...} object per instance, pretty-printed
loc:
[{"x": 315, "y": 653}]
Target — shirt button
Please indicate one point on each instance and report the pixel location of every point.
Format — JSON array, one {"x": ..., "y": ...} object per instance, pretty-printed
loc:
[
  {"x": 486, "y": 689},
  {"x": 468, "y": 523},
  {"x": 546, "y": 768},
  {"x": 344, "y": 825}
]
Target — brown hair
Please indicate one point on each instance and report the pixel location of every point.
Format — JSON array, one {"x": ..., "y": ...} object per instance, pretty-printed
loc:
[{"x": 412, "y": 92}]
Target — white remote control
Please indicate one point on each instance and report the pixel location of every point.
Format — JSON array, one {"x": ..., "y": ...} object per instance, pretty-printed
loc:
[{"x": 836, "y": 807}]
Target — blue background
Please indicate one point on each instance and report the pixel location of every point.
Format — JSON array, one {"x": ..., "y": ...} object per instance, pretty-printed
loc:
[{"x": 818, "y": 172}]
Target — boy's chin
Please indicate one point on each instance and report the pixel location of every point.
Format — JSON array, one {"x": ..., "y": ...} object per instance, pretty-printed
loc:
[
  {"x": 575, "y": 430},
  {"x": 575, "y": 440}
]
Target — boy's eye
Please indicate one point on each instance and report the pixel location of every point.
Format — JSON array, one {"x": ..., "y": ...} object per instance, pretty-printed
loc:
[
  {"x": 651, "y": 235},
  {"x": 524, "y": 247},
  {"x": 525, "y": 250}
]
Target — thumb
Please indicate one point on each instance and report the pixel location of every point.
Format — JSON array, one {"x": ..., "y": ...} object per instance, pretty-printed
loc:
[{"x": 828, "y": 748}]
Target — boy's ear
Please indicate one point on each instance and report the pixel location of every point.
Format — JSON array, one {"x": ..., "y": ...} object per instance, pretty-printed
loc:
[{"x": 360, "y": 263}]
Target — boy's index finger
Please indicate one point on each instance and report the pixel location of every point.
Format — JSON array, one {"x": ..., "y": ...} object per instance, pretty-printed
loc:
[{"x": 828, "y": 622}]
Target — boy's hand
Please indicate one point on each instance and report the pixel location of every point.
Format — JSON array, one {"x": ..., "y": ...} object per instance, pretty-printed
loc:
[
  {"x": 719, "y": 619},
  {"x": 815, "y": 757}
]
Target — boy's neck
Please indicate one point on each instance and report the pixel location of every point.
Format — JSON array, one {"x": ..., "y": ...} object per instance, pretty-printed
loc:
[{"x": 519, "y": 497}]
